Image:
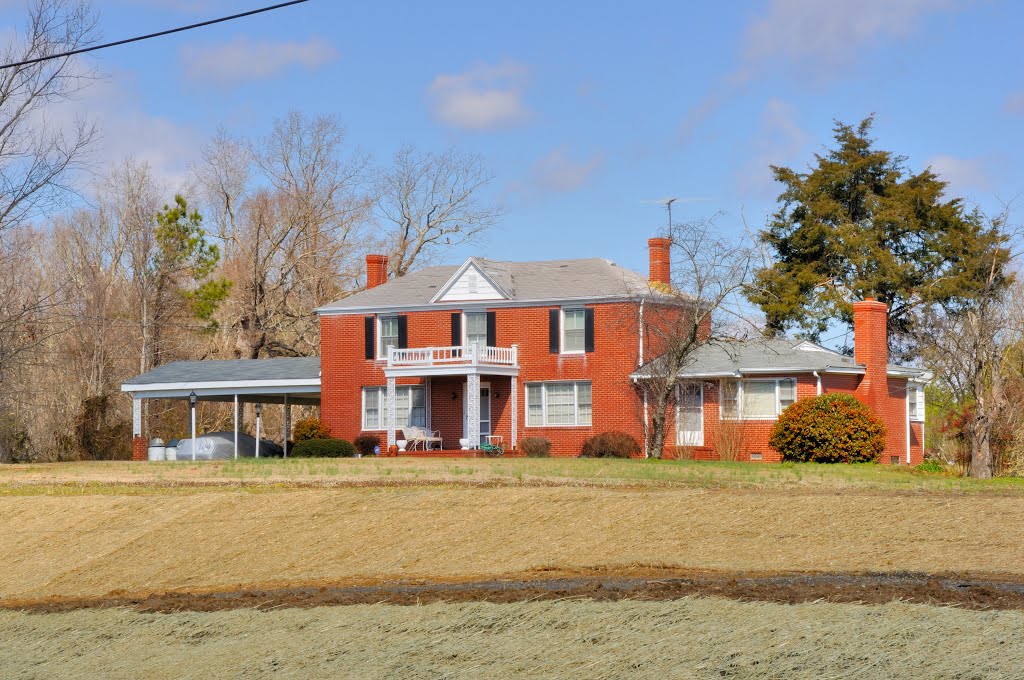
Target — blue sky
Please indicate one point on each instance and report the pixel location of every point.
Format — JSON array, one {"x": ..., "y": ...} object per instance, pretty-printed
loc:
[{"x": 586, "y": 114}]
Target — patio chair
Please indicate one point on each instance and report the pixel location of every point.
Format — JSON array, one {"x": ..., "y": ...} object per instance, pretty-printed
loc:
[{"x": 423, "y": 437}]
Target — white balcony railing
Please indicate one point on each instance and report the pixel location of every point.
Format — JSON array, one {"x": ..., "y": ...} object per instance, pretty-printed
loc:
[{"x": 464, "y": 355}]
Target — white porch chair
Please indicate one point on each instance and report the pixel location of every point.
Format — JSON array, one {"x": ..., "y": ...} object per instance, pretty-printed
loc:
[{"x": 423, "y": 437}]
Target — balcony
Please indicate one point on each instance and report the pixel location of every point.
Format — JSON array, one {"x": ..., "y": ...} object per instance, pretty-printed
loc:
[{"x": 455, "y": 360}]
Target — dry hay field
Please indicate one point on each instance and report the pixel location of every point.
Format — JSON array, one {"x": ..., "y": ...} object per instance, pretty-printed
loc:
[{"x": 513, "y": 568}]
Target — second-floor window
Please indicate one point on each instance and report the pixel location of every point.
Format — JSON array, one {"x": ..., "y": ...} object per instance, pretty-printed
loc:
[
  {"x": 573, "y": 330},
  {"x": 388, "y": 334},
  {"x": 475, "y": 324}
]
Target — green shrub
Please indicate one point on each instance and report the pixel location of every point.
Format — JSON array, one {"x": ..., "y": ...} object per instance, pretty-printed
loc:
[
  {"x": 366, "y": 442},
  {"x": 831, "y": 428},
  {"x": 324, "y": 448},
  {"x": 932, "y": 465},
  {"x": 610, "y": 445},
  {"x": 310, "y": 428},
  {"x": 535, "y": 447}
]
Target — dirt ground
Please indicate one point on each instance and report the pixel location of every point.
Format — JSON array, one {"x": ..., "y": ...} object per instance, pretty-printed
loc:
[
  {"x": 699, "y": 638},
  {"x": 98, "y": 545}
]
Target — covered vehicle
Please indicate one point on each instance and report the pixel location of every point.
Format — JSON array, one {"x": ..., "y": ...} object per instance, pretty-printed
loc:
[{"x": 221, "y": 446}]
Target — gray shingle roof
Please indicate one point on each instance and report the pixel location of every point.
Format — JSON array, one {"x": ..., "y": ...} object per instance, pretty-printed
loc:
[
  {"x": 729, "y": 357},
  {"x": 547, "y": 280},
  {"x": 231, "y": 370}
]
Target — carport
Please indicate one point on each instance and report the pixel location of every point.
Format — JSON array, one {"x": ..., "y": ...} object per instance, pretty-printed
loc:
[{"x": 285, "y": 381}]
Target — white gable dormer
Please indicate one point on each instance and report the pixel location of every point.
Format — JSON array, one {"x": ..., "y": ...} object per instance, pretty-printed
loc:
[{"x": 469, "y": 283}]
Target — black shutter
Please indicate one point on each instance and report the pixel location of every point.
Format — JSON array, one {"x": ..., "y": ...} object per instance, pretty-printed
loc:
[
  {"x": 456, "y": 329},
  {"x": 368, "y": 335},
  {"x": 492, "y": 330},
  {"x": 555, "y": 341},
  {"x": 403, "y": 332},
  {"x": 588, "y": 329}
]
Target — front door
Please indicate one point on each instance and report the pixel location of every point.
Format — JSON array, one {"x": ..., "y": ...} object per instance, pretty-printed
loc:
[{"x": 485, "y": 413}]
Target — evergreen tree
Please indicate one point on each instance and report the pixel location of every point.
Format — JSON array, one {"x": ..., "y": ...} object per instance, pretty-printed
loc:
[{"x": 859, "y": 224}]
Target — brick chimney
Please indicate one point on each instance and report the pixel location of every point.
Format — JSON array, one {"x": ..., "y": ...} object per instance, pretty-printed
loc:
[
  {"x": 376, "y": 270},
  {"x": 661, "y": 261},
  {"x": 871, "y": 348}
]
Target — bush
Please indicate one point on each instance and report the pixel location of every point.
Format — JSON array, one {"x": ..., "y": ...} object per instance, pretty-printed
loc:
[
  {"x": 366, "y": 442},
  {"x": 831, "y": 428},
  {"x": 535, "y": 447},
  {"x": 610, "y": 445},
  {"x": 932, "y": 465},
  {"x": 323, "y": 448},
  {"x": 310, "y": 428}
]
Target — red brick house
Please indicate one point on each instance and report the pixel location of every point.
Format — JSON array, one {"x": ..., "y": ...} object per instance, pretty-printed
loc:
[{"x": 552, "y": 349}]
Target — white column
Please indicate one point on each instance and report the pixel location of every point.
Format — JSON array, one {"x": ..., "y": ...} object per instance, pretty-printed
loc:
[
  {"x": 259, "y": 417},
  {"x": 473, "y": 410},
  {"x": 284, "y": 440},
  {"x": 193, "y": 409},
  {"x": 392, "y": 411},
  {"x": 426, "y": 403},
  {"x": 136, "y": 417},
  {"x": 236, "y": 427},
  {"x": 515, "y": 410}
]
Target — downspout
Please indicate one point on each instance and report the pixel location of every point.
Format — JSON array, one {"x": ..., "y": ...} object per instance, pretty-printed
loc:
[
  {"x": 818, "y": 376},
  {"x": 906, "y": 403},
  {"x": 640, "y": 358}
]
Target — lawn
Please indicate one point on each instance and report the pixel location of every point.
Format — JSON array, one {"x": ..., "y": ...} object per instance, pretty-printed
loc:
[{"x": 271, "y": 474}]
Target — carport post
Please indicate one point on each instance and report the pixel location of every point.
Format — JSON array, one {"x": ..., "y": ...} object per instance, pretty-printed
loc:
[
  {"x": 285, "y": 438},
  {"x": 192, "y": 407},
  {"x": 259, "y": 413},
  {"x": 236, "y": 427}
]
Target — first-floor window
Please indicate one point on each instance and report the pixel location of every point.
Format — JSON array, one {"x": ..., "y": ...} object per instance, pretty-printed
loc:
[
  {"x": 691, "y": 414},
  {"x": 762, "y": 399},
  {"x": 410, "y": 407},
  {"x": 559, "y": 403}
]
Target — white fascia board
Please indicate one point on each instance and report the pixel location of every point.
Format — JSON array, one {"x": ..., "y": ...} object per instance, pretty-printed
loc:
[
  {"x": 226, "y": 387},
  {"x": 474, "y": 304}
]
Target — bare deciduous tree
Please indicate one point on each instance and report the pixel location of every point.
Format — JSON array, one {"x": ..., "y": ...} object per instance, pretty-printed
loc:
[
  {"x": 709, "y": 274},
  {"x": 428, "y": 202}
]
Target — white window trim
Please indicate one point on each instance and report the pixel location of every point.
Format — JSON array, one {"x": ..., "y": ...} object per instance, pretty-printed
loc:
[
  {"x": 465, "y": 327},
  {"x": 383, "y": 407},
  {"x": 679, "y": 413},
  {"x": 381, "y": 352},
  {"x": 739, "y": 398},
  {"x": 544, "y": 403},
  {"x": 561, "y": 331}
]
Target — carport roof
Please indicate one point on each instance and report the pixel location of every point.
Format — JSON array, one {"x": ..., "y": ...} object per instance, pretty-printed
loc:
[{"x": 303, "y": 369}]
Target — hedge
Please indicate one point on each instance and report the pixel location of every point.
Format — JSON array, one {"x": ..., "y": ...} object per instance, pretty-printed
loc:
[
  {"x": 323, "y": 448},
  {"x": 831, "y": 428}
]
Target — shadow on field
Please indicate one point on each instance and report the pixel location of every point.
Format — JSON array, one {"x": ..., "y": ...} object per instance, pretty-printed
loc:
[{"x": 650, "y": 584}]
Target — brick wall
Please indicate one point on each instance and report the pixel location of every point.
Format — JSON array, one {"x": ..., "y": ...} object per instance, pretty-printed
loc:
[{"x": 345, "y": 371}]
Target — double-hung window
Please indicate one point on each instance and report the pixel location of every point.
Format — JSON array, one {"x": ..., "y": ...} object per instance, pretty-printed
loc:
[
  {"x": 915, "y": 402},
  {"x": 388, "y": 334},
  {"x": 757, "y": 399},
  {"x": 410, "y": 407},
  {"x": 574, "y": 324},
  {"x": 475, "y": 324},
  {"x": 559, "y": 404}
]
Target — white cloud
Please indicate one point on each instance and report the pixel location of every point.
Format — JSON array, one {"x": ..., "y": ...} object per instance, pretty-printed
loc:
[
  {"x": 243, "y": 59},
  {"x": 127, "y": 130},
  {"x": 964, "y": 175},
  {"x": 1014, "y": 104},
  {"x": 821, "y": 37},
  {"x": 557, "y": 172},
  {"x": 778, "y": 140},
  {"x": 486, "y": 97},
  {"x": 813, "y": 40}
]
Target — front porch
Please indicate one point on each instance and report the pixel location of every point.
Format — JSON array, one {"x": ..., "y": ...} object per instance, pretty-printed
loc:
[{"x": 470, "y": 394}]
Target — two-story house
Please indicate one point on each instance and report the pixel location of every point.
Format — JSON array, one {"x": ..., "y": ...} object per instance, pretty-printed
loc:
[{"x": 553, "y": 349}]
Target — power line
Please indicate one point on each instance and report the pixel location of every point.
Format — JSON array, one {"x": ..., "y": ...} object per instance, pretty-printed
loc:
[{"x": 151, "y": 35}]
